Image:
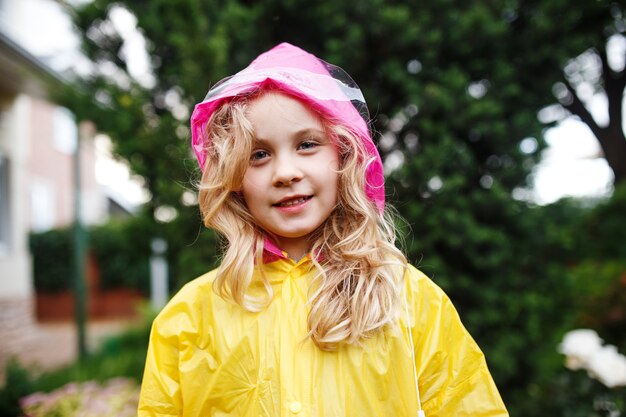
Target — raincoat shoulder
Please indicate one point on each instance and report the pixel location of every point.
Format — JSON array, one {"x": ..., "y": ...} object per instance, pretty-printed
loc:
[
  {"x": 176, "y": 327},
  {"x": 453, "y": 376}
]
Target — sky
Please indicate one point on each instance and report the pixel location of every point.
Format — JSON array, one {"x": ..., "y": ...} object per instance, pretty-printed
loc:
[{"x": 572, "y": 165}]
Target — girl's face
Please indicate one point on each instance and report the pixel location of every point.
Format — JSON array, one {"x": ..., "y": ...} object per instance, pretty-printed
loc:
[{"x": 290, "y": 186}]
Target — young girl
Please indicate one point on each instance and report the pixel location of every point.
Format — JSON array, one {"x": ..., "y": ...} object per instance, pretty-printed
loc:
[{"x": 313, "y": 310}]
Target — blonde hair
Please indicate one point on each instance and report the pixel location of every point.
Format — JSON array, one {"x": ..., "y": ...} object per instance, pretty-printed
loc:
[{"x": 356, "y": 290}]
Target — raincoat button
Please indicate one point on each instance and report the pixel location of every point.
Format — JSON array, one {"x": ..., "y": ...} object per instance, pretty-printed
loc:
[{"x": 295, "y": 407}]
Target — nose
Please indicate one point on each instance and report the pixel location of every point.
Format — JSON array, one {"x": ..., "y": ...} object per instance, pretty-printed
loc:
[{"x": 286, "y": 171}]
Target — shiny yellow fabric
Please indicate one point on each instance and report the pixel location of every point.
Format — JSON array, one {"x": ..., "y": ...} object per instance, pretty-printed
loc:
[{"x": 211, "y": 358}]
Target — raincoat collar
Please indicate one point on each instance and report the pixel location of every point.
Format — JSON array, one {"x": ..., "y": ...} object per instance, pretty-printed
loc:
[{"x": 272, "y": 253}]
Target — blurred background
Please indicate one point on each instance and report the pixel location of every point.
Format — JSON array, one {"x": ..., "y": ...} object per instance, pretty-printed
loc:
[{"x": 500, "y": 122}]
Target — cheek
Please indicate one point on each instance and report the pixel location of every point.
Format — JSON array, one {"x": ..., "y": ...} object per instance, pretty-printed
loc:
[
  {"x": 336, "y": 183},
  {"x": 251, "y": 201},
  {"x": 333, "y": 176},
  {"x": 254, "y": 190},
  {"x": 333, "y": 181},
  {"x": 247, "y": 191},
  {"x": 250, "y": 182}
]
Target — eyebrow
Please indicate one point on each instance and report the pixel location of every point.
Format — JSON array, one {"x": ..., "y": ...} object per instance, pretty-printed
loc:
[{"x": 296, "y": 134}]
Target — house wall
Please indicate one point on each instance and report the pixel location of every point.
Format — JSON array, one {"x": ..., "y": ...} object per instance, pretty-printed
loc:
[
  {"x": 39, "y": 194},
  {"x": 37, "y": 140},
  {"x": 16, "y": 285},
  {"x": 52, "y": 144},
  {"x": 15, "y": 262},
  {"x": 40, "y": 183}
]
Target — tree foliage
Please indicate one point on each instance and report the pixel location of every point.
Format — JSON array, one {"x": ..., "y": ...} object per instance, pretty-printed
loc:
[
  {"x": 600, "y": 272},
  {"x": 453, "y": 88}
]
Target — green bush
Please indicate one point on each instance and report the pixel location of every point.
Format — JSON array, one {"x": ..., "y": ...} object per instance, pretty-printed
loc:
[
  {"x": 18, "y": 384},
  {"x": 575, "y": 394},
  {"x": 600, "y": 272},
  {"x": 604, "y": 231},
  {"x": 590, "y": 264},
  {"x": 52, "y": 260},
  {"x": 121, "y": 248}
]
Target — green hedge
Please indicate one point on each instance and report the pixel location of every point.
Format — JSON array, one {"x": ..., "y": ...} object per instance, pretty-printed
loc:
[
  {"x": 121, "y": 250},
  {"x": 52, "y": 260}
]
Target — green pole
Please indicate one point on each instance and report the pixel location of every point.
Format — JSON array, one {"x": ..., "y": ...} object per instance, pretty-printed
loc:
[{"x": 80, "y": 244}]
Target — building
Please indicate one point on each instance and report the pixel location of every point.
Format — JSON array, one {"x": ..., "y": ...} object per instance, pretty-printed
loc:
[{"x": 38, "y": 140}]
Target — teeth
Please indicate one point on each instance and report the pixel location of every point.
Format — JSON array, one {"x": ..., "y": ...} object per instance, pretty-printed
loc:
[{"x": 293, "y": 202}]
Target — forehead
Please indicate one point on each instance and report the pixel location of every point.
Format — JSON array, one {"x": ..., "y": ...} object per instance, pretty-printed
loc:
[{"x": 275, "y": 113}]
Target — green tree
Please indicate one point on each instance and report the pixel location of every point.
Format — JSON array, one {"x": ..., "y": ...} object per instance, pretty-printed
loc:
[
  {"x": 592, "y": 72},
  {"x": 454, "y": 89},
  {"x": 601, "y": 269}
]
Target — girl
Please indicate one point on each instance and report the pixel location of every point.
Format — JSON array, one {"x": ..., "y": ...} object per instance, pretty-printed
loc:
[{"x": 313, "y": 310}]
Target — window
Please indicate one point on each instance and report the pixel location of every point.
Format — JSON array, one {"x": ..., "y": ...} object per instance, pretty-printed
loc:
[
  {"x": 65, "y": 132},
  {"x": 42, "y": 205}
]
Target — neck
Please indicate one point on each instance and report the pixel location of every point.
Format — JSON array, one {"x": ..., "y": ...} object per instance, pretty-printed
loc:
[{"x": 296, "y": 248}]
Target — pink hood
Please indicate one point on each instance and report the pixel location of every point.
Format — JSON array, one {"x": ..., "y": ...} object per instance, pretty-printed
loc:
[{"x": 326, "y": 88}]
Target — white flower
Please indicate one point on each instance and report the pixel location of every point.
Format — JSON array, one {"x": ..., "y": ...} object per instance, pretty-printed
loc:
[
  {"x": 608, "y": 366},
  {"x": 579, "y": 346}
]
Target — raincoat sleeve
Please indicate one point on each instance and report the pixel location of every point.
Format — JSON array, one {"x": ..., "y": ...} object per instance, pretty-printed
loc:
[
  {"x": 161, "y": 394},
  {"x": 453, "y": 376}
]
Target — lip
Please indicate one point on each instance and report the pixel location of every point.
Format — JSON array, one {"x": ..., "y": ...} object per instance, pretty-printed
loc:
[
  {"x": 293, "y": 208},
  {"x": 279, "y": 203}
]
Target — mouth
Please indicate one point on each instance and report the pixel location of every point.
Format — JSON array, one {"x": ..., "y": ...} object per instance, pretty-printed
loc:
[{"x": 293, "y": 201}]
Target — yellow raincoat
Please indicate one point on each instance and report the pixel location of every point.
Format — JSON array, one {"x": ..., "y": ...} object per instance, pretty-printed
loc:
[{"x": 211, "y": 358}]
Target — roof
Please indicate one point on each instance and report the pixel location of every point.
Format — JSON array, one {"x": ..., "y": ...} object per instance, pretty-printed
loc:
[{"x": 21, "y": 71}]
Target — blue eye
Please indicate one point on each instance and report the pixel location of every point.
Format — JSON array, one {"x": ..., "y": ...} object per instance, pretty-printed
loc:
[
  {"x": 258, "y": 155},
  {"x": 308, "y": 144}
]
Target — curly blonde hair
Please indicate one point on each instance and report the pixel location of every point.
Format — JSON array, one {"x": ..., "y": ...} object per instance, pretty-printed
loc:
[{"x": 356, "y": 290}]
